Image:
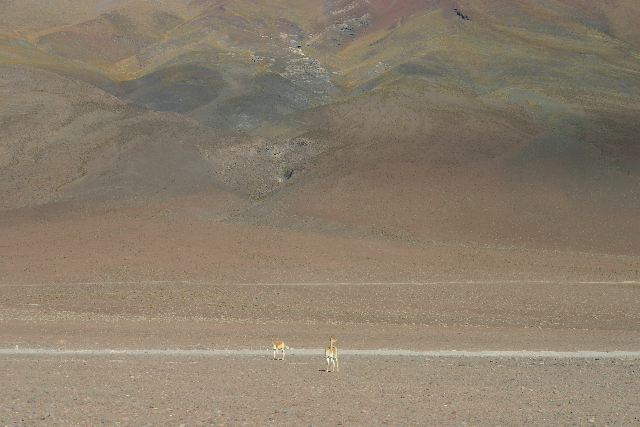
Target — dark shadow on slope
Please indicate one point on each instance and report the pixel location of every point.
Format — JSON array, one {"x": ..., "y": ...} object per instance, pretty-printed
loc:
[
  {"x": 269, "y": 97},
  {"x": 179, "y": 88}
]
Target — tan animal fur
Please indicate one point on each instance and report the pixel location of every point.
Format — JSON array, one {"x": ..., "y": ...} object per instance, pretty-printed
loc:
[
  {"x": 280, "y": 345},
  {"x": 331, "y": 353}
]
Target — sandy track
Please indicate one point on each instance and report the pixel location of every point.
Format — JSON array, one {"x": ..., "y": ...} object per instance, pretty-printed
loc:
[{"x": 526, "y": 354}]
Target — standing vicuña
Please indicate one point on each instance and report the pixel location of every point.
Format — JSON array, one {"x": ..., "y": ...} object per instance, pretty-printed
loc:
[
  {"x": 331, "y": 354},
  {"x": 280, "y": 345}
]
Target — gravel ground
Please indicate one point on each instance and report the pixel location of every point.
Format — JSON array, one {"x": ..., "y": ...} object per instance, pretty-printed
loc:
[
  {"x": 193, "y": 354},
  {"x": 127, "y": 390}
]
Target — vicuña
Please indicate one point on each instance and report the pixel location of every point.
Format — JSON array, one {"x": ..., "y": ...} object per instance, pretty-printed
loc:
[
  {"x": 331, "y": 354},
  {"x": 280, "y": 345}
]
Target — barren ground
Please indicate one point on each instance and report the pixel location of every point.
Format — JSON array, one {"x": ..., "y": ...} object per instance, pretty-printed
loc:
[
  {"x": 120, "y": 388},
  {"x": 254, "y": 390}
]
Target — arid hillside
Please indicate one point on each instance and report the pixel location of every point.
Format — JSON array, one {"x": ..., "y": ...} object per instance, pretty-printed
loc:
[{"x": 254, "y": 141}]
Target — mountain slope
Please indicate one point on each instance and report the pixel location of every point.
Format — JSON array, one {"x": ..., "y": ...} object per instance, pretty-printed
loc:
[{"x": 493, "y": 125}]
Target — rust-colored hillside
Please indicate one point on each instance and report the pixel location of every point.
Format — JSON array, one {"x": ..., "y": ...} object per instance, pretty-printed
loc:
[{"x": 249, "y": 141}]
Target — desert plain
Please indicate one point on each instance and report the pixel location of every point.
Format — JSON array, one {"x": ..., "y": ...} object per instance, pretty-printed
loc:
[{"x": 440, "y": 353}]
